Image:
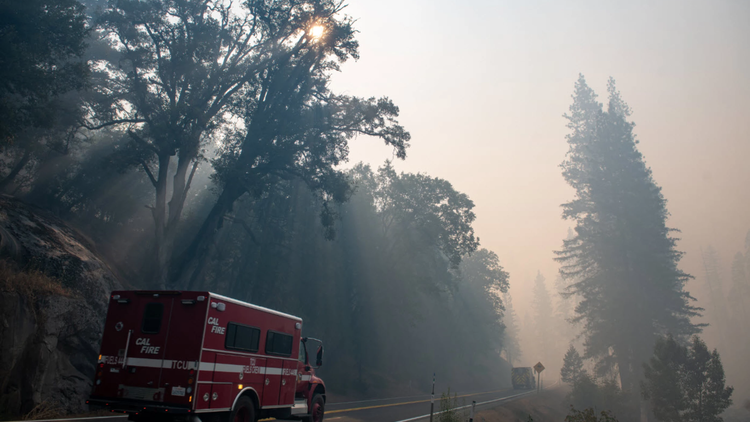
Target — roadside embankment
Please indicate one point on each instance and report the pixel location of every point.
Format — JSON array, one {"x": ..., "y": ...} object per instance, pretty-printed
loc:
[
  {"x": 53, "y": 299},
  {"x": 547, "y": 406}
]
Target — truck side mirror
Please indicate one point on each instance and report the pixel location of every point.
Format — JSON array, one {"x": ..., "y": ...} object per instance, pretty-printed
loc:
[{"x": 319, "y": 357}]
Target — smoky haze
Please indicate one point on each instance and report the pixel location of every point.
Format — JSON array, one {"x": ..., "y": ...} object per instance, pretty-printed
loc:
[
  {"x": 410, "y": 202},
  {"x": 482, "y": 87}
]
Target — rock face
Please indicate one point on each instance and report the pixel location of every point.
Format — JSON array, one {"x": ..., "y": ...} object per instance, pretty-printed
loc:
[{"x": 49, "y": 342}]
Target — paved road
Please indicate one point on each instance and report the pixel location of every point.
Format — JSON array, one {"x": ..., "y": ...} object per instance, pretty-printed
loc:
[
  {"x": 401, "y": 409},
  {"x": 407, "y": 409}
]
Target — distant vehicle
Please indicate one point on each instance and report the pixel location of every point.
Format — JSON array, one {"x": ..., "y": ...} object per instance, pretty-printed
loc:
[
  {"x": 523, "y": 378},
  {"x": 197, "y": 355}
]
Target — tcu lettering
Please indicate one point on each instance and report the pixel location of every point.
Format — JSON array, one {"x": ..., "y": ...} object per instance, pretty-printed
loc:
[
  {"x": 182, "y": 365},
  {"x": 146, "y": 346},
  {"x": 215, "y": 328}
]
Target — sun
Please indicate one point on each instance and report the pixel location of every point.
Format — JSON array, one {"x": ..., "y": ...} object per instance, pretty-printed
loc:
[{"x": 317, "y": 31}]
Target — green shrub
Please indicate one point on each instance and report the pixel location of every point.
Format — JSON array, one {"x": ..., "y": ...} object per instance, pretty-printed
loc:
[{"x": 588, "y": 415}]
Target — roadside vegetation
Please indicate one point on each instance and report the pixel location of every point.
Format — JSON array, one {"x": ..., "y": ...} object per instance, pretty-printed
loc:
[
  {"x": 449, "y": 408},
  {"x": 29, "y": 283}
]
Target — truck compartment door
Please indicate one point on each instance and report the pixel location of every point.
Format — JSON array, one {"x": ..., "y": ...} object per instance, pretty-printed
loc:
[
  {"x": 288, "y": 382},
  {"x": 272, "y": 386}
]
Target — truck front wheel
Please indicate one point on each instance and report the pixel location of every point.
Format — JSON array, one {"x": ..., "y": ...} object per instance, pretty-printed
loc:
[
  {"x": 317, "y": 408},
  {"x": 244, "y": 411}
]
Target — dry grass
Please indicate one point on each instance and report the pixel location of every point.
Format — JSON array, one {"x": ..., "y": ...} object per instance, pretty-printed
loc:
[
  {"x": 29, "y": 283},
  {"x": 44, "y": 410}
]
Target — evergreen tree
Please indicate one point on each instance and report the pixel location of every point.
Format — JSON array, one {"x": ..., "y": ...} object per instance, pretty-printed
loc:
[
  {"x": 686, "y": 384},
  {"x": 572, "y": 366},
  {"x": 564, "y": 313},
  {"x": 706, "y": 395},
  {"x": 739, "y": 292},
  {"x": 511, "y": 345},
  {"x": 714, "y": 285},
  {"x": 543, "y": 322},
  {"x": 528, "y": 337},
  {"x": 622, "y": 261},
  {"x": 662, "y": 385}
]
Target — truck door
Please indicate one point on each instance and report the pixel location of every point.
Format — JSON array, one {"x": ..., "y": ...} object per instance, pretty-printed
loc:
[
  {"x": 304, "y": 370},
  {"x": 144, "y": 351}
]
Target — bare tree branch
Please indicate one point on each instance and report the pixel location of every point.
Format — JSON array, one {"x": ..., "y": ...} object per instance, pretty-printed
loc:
[
  {"x": 148, "y": 172},
  {"x": 112, "y": 123}
]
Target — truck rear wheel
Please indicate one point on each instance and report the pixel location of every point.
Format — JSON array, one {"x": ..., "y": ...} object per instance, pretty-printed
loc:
[
  {"x": 244, "y": 411},
  {"x": 317, "y": 408}
]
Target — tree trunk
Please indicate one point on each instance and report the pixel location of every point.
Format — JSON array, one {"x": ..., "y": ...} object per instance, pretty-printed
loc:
[
  {"x": 165, "y": 243},
  {"x": 7, "y": 180},
  {"x": 191, "y": 264},
  {"x": 159, "y": 212}
]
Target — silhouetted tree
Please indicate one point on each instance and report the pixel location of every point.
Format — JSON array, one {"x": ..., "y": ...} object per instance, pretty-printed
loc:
[
  {"x": 41, "y": 48},
  {"x": 572, "y": 367},
  {"x": 295, "y": 128},
  {"x": 511, "y": 344},
  {"x": 739, "y": 292},
  {"x": 428, "y": 208},
  {"x": 686, "y": 383},
  {"x": 482, "y": 284},
  {"x": 663, "y": 383},
  {"x": 183, "y": 70},
  {"x": 622, "y": 261},
  {"x": 706, "y": 394},
  {"x": 544, "y": 323},
  {"x": 717, "y": 311},
  {"x": 564, "y": 329}
]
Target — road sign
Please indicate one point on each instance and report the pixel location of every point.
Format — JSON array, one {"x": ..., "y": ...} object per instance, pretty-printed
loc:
[{"x": 539, "y": 367}]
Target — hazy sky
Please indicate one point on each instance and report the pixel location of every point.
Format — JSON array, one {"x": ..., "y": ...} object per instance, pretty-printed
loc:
[{"x": 482, "y": 86}]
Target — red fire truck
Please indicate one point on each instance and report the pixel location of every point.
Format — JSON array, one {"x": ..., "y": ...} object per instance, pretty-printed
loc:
[{"x": 201, "y": 356}]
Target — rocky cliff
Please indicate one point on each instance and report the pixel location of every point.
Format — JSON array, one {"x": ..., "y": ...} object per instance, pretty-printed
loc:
[{"x": 53, "y": 301}]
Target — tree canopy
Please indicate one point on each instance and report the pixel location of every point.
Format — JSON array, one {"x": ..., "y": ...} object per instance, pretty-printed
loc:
[{"x": 41, "y": 44}]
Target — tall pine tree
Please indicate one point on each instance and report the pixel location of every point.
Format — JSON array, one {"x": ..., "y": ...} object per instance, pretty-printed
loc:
[
  {"x": 622, "y": 261},
  {"x": 544, "y": 329},
  {"x": 511, "y": 345}
]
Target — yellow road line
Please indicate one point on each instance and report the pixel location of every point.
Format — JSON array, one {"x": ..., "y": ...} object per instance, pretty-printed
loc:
[{"x": 328, "y": 412}]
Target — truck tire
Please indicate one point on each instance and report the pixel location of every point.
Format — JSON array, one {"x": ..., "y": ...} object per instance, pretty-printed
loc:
[
  {"x": 317, "y": 408},
  {"x": 244, "y": 411}
]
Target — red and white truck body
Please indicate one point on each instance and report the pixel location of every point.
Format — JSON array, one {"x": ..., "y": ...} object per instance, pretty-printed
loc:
[{"x": 198, "y": 354}]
